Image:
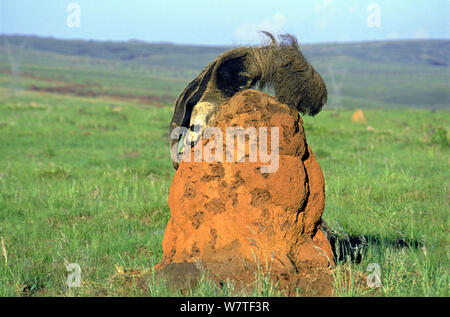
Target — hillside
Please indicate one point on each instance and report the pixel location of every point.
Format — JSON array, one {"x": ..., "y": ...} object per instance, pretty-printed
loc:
[
  {"x": 434, "y": 52},
  {"x": 363, "y": 75}
]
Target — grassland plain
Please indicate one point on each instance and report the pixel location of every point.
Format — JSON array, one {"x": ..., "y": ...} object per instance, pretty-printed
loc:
[{"x": 84, "y": 178}]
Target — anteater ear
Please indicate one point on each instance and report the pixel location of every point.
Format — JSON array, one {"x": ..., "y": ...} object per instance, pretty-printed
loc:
[{"x": 236, "y": 70}]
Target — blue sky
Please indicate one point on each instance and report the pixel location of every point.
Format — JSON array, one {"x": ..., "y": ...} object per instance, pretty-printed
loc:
[{"x": 228, "y": 22}]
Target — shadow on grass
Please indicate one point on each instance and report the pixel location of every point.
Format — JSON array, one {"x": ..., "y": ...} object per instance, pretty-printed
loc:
[{"x": 351, "y": 248}]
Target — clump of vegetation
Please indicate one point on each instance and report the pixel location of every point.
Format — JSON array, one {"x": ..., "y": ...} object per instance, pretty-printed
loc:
[
  {"x": 436, "y": 136},
  {"x": 439, "y": 137},
  {"x": 57, "y": 172}
]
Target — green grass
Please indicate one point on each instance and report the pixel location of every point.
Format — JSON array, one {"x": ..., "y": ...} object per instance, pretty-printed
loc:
[
  {"x": 81, "y": 182},
  {"x": 390, "y": 182}
]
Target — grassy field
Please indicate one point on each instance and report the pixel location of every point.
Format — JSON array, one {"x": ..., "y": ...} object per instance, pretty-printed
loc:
[{"x": 85, "y": 179}]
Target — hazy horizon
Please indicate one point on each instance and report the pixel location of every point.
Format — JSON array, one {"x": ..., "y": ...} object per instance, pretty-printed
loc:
[
  {"x": 203, "y": 23},
  {"x": 216, "y": 45}
]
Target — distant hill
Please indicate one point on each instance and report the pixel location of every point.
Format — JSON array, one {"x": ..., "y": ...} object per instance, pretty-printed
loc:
[
  {"x": 412, "y": 73},
  {"x": 433, "y": 52},
  {"x": 136, "y": 51}
]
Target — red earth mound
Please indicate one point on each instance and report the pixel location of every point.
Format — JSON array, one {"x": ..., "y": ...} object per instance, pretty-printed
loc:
[{"x": 232, "y": 216}]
